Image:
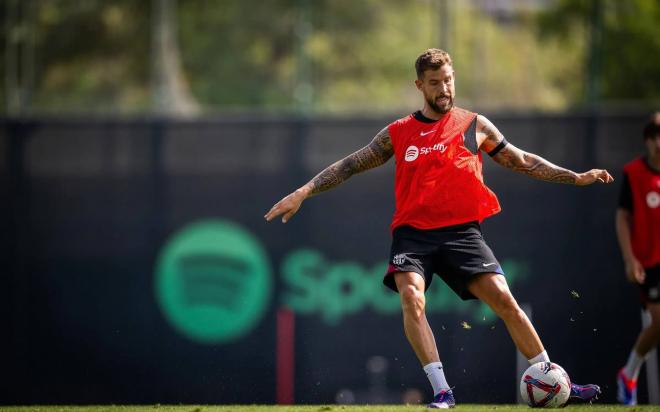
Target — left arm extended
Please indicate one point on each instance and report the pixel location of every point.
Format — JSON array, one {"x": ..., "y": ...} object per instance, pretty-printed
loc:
[{"x": 511, "y": 157}]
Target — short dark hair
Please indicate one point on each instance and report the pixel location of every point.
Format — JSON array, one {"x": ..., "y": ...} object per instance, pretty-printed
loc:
[
  {"x": 431, "y": 59},
  {"x": 652, "y": 128}
]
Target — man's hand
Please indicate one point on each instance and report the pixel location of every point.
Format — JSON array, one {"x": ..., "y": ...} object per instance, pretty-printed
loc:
[
  {"x": 374, "y": 154},
  {"x": 593, "y": 176},
  {"x": 635, "y": 271},
  {"x": 288, "y": 206}
]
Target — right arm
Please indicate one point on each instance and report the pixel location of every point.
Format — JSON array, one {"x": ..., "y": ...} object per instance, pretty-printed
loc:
[
  {"x": 376, "y": 153},
  {"x": 511, "y": 157},
  {"x": 634, "y": 269}
]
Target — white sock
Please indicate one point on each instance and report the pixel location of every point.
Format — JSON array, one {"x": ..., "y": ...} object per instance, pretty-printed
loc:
[
  {"x": 436, "y": 375},
  {"x": 633, "y": 365},
  {"x": 541, "y": 357}
]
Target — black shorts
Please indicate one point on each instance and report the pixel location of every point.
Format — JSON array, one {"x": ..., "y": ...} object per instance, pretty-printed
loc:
[
  {"x": 650, "y": 290},
  {"x": 456, "y": 253}
]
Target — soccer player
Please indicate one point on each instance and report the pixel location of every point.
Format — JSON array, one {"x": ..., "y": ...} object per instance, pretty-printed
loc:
[
  {"x": 638, "y": 231},
  {"x": 440, "y": 201}
]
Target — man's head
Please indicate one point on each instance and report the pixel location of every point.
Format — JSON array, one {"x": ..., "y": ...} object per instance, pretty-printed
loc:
[
  {"x": 435, "y": 79},
  {"x": 652, "y": 136}
]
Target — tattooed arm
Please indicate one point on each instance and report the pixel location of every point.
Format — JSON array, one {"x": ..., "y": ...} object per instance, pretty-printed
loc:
[
  {"x": 374, "y": 154},
  {"x": 489, "y": 139}
]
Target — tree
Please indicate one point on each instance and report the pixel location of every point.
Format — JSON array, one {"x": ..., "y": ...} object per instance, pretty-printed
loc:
[
  {"x": 89, "y": 56},
  {"x": 169, "y": 87},
  {"x": 624, "y": 57},
  {"x": 327, "y": 56}
]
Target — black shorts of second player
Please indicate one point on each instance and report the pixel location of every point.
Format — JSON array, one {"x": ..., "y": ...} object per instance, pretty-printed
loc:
[
  {"x": 456, "y": 253},
  {"x": 649, "y": 291}
]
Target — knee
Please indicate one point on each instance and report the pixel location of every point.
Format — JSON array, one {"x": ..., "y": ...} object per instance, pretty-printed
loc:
[
  {"x": 654, "y": 312},
  {"x": 654, "y": 325},
  {"x": 412, "y": 301}
]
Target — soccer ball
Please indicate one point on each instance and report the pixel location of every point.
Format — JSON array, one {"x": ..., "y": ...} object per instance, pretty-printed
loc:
[{"x": 545, "y": 385}]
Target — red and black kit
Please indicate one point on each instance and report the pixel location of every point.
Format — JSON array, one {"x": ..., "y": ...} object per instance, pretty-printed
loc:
[
  {"x": 441, "y": 198},
  {"x": 640, "y": 195},
  {"x": 439, "y": 180}
]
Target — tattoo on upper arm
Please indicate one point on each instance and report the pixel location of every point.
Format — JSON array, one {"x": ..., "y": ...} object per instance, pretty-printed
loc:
[
  {"x": 493, "y": 136},
  {"x": 533, "y": 165},
  {"x": 376, "y": 153}
]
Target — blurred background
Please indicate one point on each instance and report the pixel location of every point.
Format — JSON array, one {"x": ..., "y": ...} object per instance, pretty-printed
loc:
[{"x": 141, "y": 142}]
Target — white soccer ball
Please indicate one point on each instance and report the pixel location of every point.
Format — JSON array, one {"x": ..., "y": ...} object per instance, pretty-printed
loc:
[{"x": 545, "y": 385}]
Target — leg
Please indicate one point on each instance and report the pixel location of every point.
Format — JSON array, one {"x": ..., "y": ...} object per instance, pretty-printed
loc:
[
  {"x": 492, "y": 289},
  {"x": 415, "y": 325},
  {"x": 648, "y": 339},
  {"x": 649, "y": 336},
  {"x": 420, "y": 336}
]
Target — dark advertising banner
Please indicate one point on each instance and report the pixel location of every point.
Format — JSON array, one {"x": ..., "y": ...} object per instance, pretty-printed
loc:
[{"x": 137, "y": 266}]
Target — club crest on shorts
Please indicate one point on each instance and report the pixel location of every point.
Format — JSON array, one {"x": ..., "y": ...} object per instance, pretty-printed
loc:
[{"x": 398, "y": 259}]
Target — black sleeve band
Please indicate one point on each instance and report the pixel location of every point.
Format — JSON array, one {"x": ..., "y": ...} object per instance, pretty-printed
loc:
[{"x": 499, "y": 147}]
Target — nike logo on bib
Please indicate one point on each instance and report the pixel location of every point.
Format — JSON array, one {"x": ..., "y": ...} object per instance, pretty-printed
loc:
[{"x": 425, "y": 133}]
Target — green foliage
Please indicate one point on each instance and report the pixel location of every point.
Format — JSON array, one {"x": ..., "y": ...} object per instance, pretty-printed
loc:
[
  {"x": 344, "y": 56},
  {"x": 236, "y": 54},
  {"x": 502, "y": 64},
  {"x": 339, "y": 56},
  {"x": 626, "y": 44},
  {"x": 91, "y": 55},
  {"x": 342, "y": 52}
]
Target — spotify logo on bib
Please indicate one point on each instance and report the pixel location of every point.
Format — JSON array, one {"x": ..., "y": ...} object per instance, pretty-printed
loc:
[
  {"x": 213, "y": 281},
  {"x": 411, "y": 153}
]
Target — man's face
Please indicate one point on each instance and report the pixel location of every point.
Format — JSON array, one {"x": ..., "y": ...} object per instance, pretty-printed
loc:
[
  {"x": 653, "y": 146},
  {"x": 437, "y": 86}
]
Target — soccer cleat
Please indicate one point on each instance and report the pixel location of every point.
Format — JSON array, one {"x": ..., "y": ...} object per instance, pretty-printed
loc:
[
  {"x": 584, "y": 393},
  {"x": 627, "y": 389},
  {"x": 443, "y": 400}
]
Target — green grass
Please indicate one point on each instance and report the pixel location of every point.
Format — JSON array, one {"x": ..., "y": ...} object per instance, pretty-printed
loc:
[{"x": 310, "y": 408}]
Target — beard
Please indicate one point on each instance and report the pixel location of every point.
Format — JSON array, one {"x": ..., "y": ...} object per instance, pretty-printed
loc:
[{"x": 441, "y": 109}]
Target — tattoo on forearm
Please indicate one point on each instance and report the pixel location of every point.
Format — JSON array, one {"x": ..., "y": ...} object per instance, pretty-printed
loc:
[
  {"x": 533, "y": 165},
  {"x": 527, "y": 163},
  {"x": 372, "y": 155}
]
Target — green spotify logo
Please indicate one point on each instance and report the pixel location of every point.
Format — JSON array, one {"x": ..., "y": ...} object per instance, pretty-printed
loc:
[{"x": 213, "y": 281}]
